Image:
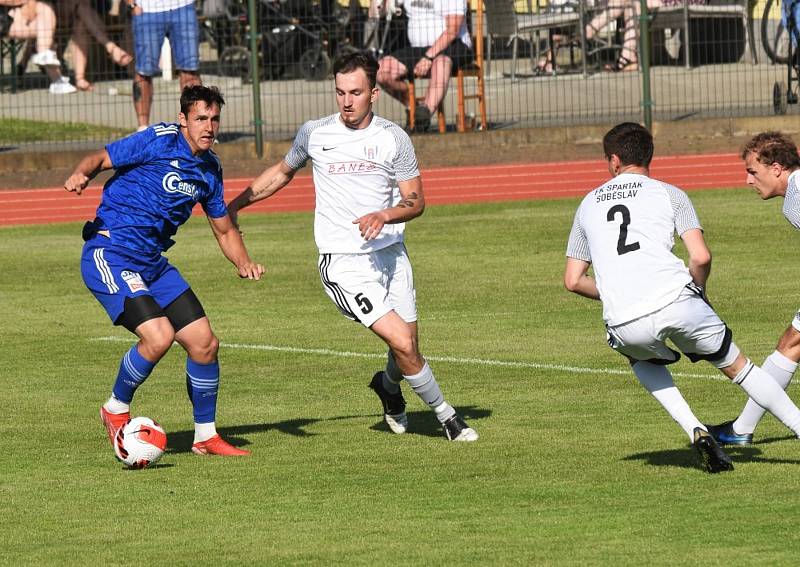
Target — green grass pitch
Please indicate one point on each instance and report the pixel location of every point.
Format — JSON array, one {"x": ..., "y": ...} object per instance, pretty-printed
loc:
[{"x": 576, "y": 464}]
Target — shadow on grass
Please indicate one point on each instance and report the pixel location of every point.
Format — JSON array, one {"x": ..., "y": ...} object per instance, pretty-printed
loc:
[
  {"x": 424, "y": 422},
  {"x": 688, "y": 459},
  {"x": 181, "y": 441},
  {"x": 151, "y": 467},
  {"x": 420, "y": 423},
  {"x": 768, "y": 440},
  {"x": 683, "y": 458}
]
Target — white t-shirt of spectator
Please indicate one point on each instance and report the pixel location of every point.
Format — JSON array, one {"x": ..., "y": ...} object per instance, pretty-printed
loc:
[
  {"x": 151, "y": 6},
  {"x": 626, "y": 229},
  {"x": 426, "y": 20},
  {"x": 355, "y": 172}
]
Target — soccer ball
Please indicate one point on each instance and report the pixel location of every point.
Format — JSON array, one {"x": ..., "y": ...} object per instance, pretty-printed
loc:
[{"x": 140, "y": 442}]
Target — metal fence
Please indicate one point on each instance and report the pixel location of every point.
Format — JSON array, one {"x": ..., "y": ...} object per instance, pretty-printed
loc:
[{"x": 690, "y": 64}]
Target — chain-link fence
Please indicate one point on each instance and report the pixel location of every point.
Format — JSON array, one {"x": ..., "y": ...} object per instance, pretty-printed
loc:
[{"x": 563, "y": 63}]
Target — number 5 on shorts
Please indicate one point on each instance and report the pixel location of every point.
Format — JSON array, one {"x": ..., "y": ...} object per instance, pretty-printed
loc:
[{"x": 364, "y": 303}]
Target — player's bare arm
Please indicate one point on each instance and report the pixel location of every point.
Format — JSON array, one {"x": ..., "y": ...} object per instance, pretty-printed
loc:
[
  {"x": 232, "y": 246},
  {"x": 577, "y": 280},
  {"x": 699, "y": 256},
  {"x": 86, "y": 170},
  {"x": 272, "y": 180},
  {"x": 411, "y": 205}
]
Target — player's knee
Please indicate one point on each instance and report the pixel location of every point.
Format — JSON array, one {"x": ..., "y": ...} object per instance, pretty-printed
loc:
[
  {"x": 404, "y": 346},
  {"x": 156, "y": 343},
  {"x": 738, "y": 369},
  {"x": 211, "y": 348},
  {"x": 204, "y": 350}
]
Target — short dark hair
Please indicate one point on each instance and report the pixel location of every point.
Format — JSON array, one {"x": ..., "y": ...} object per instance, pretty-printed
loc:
[
  {"x": 630, "y": 142},
  {"x": 196, "y": 93},
  {"x": 773, "y": 147},
  {"x": 349, "y": 62}
]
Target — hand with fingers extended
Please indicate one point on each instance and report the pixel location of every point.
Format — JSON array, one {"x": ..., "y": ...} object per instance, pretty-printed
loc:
[
  {"x": 251, "y": 271},
  {"x": 371, "y": 224}
]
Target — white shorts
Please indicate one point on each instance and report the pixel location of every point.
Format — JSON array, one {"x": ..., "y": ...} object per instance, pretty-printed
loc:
[
  {"x": 365, "y": 287},
  {"x": 689, "y": 322}
]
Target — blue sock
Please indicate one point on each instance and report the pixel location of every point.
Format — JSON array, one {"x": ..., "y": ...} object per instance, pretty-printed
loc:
[
  {"x": 202, "y": 385},
  {"x": 133, "y": 370}
]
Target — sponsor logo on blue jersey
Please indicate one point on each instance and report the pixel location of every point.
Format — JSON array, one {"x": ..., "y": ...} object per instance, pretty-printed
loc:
[
  {"x": 172, "y": 183},
  {"x": 134, "y": 281}
]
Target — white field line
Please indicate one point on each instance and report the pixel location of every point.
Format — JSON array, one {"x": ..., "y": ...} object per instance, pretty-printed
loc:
[{"x": 452, "y": 359}]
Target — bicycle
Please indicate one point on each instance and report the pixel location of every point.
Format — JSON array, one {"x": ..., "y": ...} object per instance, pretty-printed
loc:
[
  {"x": 289, "y": 32},
  {"x": 774, "y": 36},
  {"x": 779, "y": 46}
]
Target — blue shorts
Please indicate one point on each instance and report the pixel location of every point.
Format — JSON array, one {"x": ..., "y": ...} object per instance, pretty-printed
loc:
[
  {"x": 180, "y": 26},
  {"x": 789, "y": 9},
  {"x": 112, "y": 274}
]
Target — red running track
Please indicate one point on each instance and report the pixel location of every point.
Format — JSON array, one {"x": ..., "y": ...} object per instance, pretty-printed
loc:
[{"x": 442, "y": 185}]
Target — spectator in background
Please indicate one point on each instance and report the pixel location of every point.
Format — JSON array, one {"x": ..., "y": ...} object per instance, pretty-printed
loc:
[
  {"x": 33, "y": 19},
  {"x": 80, "y": 17},
  {"x": 546, "y": 65},
  {"x": 153, "y": 20},
  {"x": 629, "y": 11},
  {"x": 376, "y": 9},
  {"x": 439, "y": 44}
]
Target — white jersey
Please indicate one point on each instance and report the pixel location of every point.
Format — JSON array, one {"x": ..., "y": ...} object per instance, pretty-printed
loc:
[
  {"x": 426, "y": 20},
  {"x": 355, "y": 172},
  {"x": 626, "y": 229},
  {"x": 791, "y": 201}
]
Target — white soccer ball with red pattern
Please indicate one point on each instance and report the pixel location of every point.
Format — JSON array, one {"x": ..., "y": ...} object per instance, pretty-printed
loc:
[{"x": 140, "y": 442}]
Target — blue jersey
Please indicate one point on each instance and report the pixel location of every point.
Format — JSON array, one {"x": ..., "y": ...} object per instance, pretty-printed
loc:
[{"x": 157, "y": 183}]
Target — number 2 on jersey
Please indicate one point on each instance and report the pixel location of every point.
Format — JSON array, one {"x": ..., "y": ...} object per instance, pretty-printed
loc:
[{"x": 622, "y": 246}]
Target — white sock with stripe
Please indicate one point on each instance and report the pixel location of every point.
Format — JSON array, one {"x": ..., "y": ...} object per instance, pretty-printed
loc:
[
  {"x": 781, "y": 369},
  {"x": 658, "y": 381},
  {"x": 766, "y": 392},
  {"x": 425, "y": 386}
]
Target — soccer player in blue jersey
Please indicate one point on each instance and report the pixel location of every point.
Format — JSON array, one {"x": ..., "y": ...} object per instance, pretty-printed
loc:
[{"x": 160, "y": 174}]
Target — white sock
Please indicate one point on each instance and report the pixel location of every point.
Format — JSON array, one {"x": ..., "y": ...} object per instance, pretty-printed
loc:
[
  {"x": 425, "y": 386},
  {"x": 113, "y": 405},
  {"x": 766, "y": 392},
  {"x": 204, "y": 431},
  {"x": 781, "y": 369},
  {"x": 657, "y": 380},
  {"x": 392, "y": 376},
  {"x": 444, "y": 411}
]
